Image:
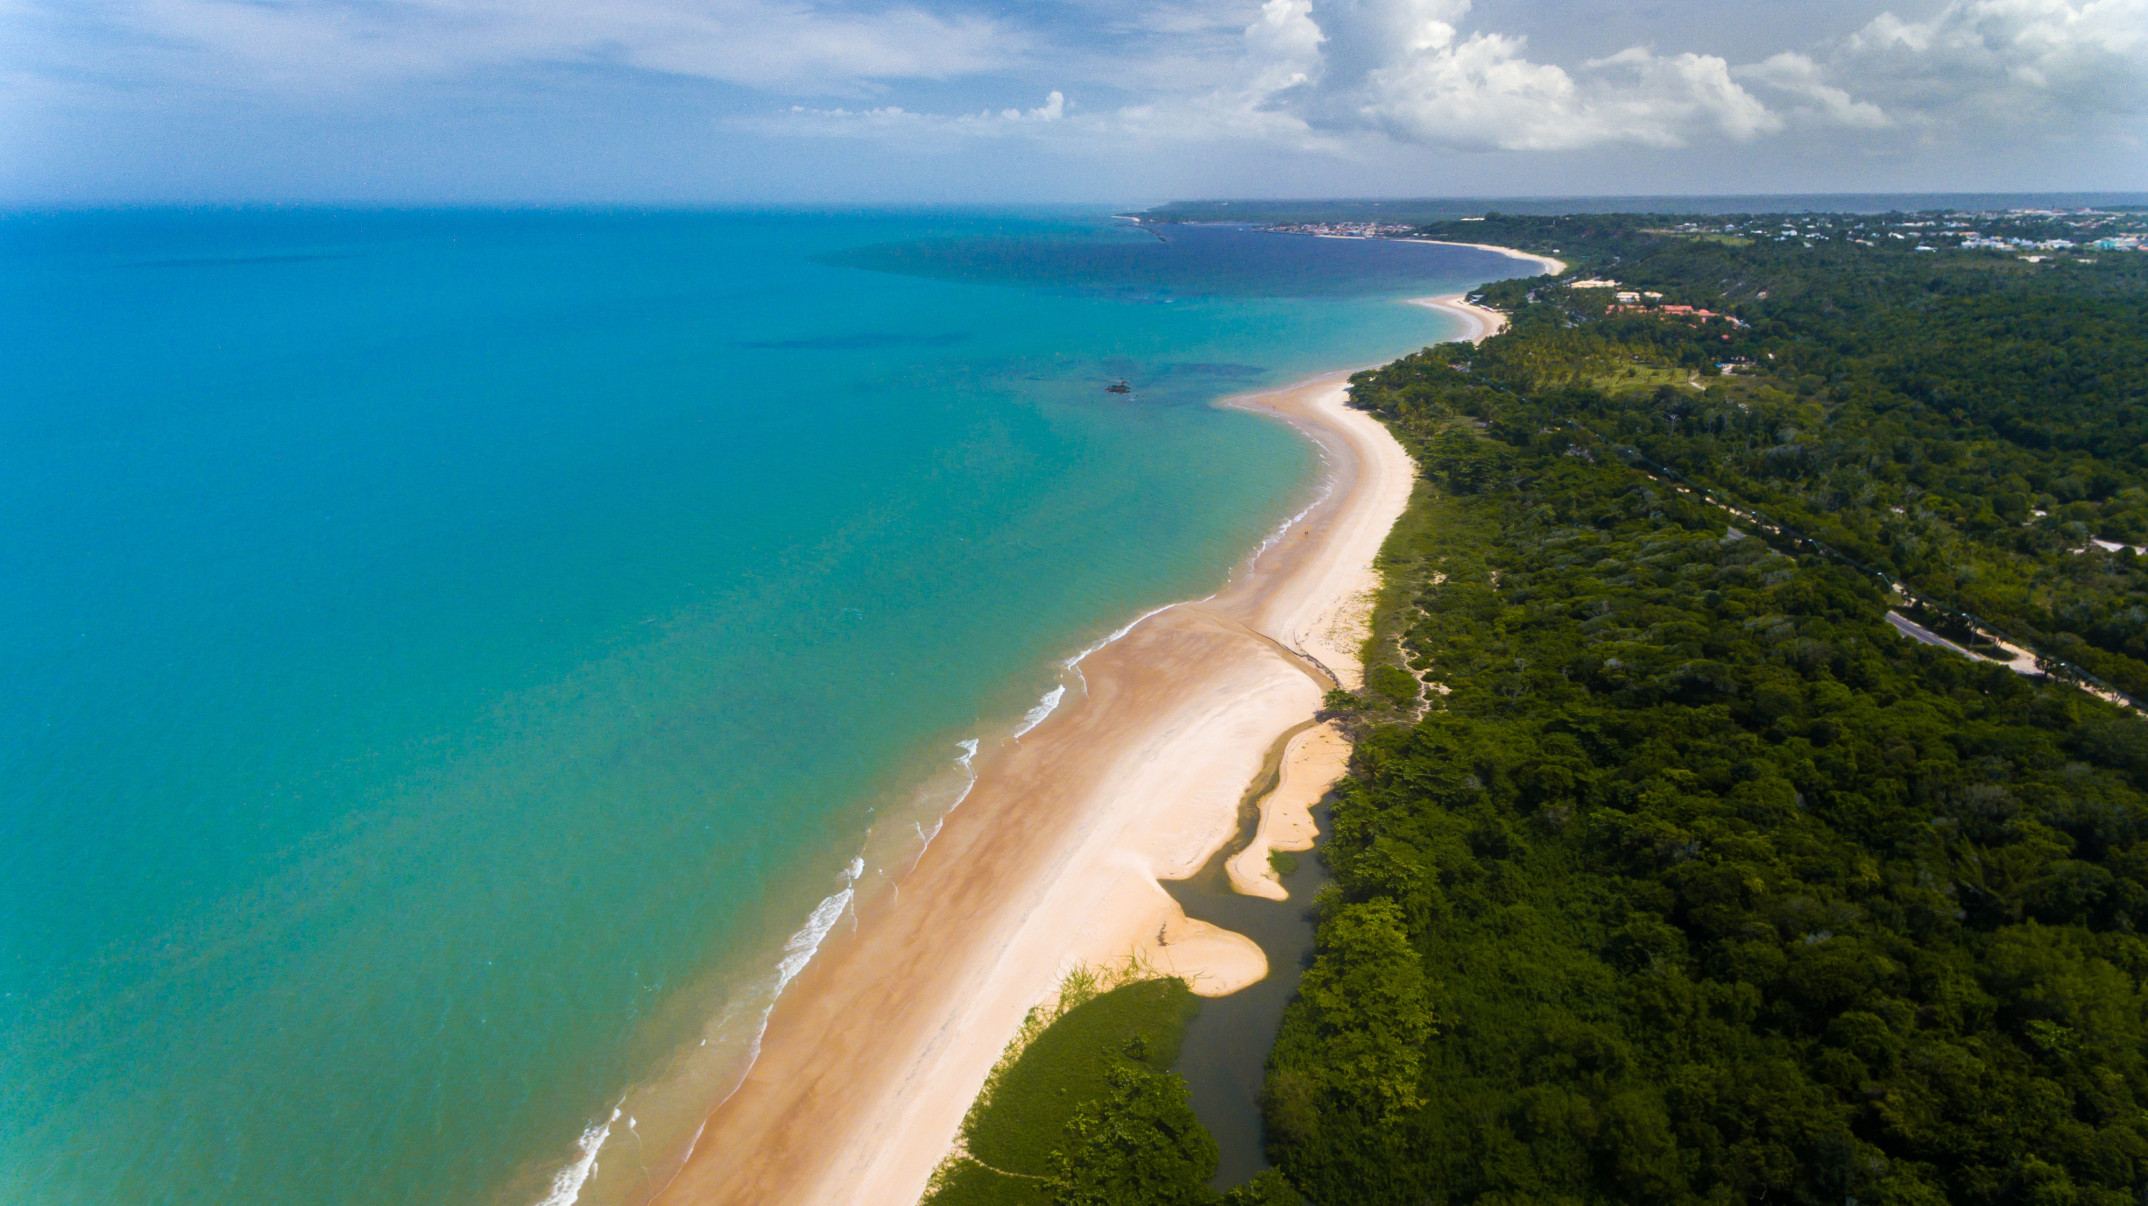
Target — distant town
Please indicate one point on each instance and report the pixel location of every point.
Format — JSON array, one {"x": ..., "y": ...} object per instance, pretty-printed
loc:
[{"x": 2032, "y": 234}]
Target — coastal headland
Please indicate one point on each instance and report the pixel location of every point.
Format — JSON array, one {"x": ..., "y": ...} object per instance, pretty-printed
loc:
[{"x": 1056, "y": 859}]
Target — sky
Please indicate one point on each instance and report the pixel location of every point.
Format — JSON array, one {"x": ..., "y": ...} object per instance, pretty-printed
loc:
[{"x": 804, "y": 101}]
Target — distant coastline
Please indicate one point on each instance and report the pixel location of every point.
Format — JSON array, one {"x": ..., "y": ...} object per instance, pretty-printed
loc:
[{"x": 1545, "y": 264}]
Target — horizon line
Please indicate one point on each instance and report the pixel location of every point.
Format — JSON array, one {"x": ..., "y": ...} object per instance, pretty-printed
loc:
[{"x": 30, "y": 206}]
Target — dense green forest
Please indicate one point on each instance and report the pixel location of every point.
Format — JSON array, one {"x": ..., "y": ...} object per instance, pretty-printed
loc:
[
  {"x": 1968, "y": 423},
  {"x": 1666, "y": 870}
]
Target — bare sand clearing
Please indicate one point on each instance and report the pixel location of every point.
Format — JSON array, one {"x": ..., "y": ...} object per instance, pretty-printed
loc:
[{"x": 876, "y": 1051}]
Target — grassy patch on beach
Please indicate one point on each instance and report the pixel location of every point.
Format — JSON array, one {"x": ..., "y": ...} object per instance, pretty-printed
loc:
[
  {"x": 1021, "y": 1118},
  {"x": 1068, "y": 1064}
]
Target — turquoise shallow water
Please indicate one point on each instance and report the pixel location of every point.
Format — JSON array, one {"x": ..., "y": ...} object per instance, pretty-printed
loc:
[{"x": 449, "y": 654}]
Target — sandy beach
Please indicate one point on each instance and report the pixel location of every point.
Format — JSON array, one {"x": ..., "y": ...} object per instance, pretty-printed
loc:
[
  {"x": 874, "y": 1055},
  {"x": 1312, "y": 763},
  {"x": 1546, "y": 265},
  {"x": 1481, "y": 322}
]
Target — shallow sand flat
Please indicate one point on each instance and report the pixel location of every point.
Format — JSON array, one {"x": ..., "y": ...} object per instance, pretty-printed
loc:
[
  {"x": 1312, "y": 763},
  {"x": 877, "y": 1050}
]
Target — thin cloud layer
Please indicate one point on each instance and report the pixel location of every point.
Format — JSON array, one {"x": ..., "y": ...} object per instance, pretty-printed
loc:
[
  {"x": 1332, "y": 90},
  {"x": 357, "y": 45}
]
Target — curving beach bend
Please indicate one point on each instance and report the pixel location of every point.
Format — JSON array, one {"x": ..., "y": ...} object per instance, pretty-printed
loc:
[
  {"x": 1054, "y": 861},
  {"x": 1480, "y": 323}
]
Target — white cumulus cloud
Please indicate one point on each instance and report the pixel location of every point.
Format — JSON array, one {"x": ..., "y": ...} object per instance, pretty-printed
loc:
[
  {"x": 2006, "y": 61},
  {"x": 1804, "y": 84},
  {"x": 1407, "y": 67}
]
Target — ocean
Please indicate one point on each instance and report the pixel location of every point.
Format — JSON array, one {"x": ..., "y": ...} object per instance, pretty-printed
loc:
[{"x": 459, "y": 663}]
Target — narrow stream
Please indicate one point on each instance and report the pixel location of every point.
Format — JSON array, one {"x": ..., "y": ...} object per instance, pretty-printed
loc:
[{"x": 1226, "y": 1049}]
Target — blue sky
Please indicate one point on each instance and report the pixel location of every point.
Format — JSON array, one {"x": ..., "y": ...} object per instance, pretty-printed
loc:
[{"x": 797, "y": 100}]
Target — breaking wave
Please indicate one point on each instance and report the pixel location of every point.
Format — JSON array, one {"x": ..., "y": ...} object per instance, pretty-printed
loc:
[
  {"x": 567, "y": 1183},
  {"x": 1042, "y": 712}
]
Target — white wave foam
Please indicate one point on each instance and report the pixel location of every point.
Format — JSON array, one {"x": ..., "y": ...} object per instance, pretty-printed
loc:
[
  {"x": 1283, "y": 529},
  {"x": 1074, "y": 663},
  {"x": 567, "y": 1183},
  {"x": 804, "y": 944},
  {"x": 798, "y": 951},
  {"x": 1042, "y": 712},
  {"x": 967, "y": 760},
  {"x": 1327, "y": 489}
]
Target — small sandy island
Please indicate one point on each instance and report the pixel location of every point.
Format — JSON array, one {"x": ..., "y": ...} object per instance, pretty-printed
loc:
[{"x": 875, "y": 1053}]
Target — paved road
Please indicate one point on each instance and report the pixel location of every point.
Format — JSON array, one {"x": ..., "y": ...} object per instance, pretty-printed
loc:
[{"x": 1910, "y": 628}]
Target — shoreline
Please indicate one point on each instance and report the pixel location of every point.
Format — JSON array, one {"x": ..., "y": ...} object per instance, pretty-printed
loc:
[
  {"x": 1482, "y": 322},
  {"x": 1546, "y": 265},
  {"x": 889, "y": 1033},
  {"x": 1056, "y": 858}
]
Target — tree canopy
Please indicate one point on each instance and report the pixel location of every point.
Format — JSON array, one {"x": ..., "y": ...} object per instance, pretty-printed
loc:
[{"x": 1695, "y": 881}]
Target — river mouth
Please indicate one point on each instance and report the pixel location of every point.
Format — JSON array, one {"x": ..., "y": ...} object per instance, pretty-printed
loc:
[{"x": 1224, "y": 1056}]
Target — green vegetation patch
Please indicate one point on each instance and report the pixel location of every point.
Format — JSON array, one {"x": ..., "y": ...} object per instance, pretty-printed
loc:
[
  {"x": 1020, "y": 1120},
  {"x": 1102, "y": 1060},
  {"x": 1640, "y": 378},
  {"x": 1085, "y": 1111},
  {"x": 964, "y": 1182}
]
